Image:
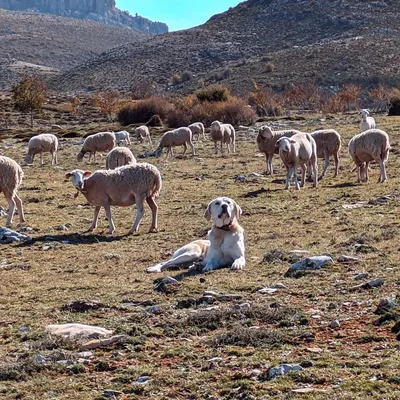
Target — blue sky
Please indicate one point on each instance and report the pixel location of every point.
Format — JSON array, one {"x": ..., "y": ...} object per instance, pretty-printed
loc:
[{"x": 177, "y": 14}]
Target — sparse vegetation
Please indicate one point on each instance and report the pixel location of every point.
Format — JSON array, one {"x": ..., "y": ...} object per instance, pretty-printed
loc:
[{"x": 215, "y": 93}]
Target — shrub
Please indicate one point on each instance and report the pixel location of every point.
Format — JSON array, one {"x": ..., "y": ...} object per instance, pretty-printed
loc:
[
  {"x": 143, "y": 110},
  {"x": 143, "y": 88},
  {"x": 394, "y": 108},
  {"x": 176, "y": 79},
  {"x": 107, "y": 102},
  {"x": 213, "y": 93},
  {"x": 269, "y": 67},
  {"x": 265, "y": 101},
  {"x": 155, "y": 120},
  {"x": 186, "y": 76}
]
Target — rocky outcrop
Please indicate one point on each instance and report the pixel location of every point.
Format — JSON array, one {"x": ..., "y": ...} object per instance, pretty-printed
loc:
[{"x": 103, "y": 11}]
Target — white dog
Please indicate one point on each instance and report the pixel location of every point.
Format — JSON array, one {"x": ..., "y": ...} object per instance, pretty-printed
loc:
[{"x": 225, "y": 244}]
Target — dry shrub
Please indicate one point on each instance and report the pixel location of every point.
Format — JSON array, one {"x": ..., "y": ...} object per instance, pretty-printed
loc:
[
  {"x": 214, "y": 93},
  {"x": 143, "y": 110},
  {"x": 188, "y": 110},
  {"x": 107, "y": 102},
  {"x": 394, "y": 108},
  {"x": 265, "y": 101},
  {"x": 380, "y": 97},
  {"x": 143, "y": 88},
  {"x": 348, "y": 95}
]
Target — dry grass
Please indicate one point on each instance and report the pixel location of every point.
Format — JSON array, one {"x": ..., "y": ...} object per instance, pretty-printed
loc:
[{"x": 359, "y": 360}]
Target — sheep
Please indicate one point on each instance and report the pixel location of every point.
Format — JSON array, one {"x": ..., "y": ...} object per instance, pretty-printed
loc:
[
  {"x": 301, "y": 150},
  {"x": 367, "y": 122},
  {"x": 367, "y": 146},
  {"x": 197, "y": 128},
  {"x": 266, "y": 141},
  {"x": 123, "y": 187},
  {"x": 118, "y": 157},
  {"x": 43, "y": 143},
  {"x": 11, "y": 175},
  {"x": 177, "y": 137},
  {"x": 122, "y": 137},
  {"x": 328, "y": 143},
  {"x": 224, "y": 133},
  {"x": 102, "y": 141},
  {"x": 143, "y": 133}
]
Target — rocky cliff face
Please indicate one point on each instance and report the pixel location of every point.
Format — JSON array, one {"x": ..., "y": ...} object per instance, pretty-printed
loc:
[{"x": 103, "y": 11}]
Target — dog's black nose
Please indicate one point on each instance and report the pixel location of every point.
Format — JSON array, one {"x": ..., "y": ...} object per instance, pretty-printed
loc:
[{"x": 224, "y": 207}]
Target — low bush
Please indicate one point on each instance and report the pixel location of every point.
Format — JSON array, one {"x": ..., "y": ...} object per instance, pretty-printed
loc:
[
  {"x": 214, "y": 93},
  {"x": 143, "y": 110}
]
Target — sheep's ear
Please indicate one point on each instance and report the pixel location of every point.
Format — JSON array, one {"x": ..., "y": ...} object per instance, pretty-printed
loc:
[
  {"x": 68, "y": 175},
  {"x": 238, "y": 210},
  {"x": 207, "y": 214},
  {"x": 86, "y": 174}
]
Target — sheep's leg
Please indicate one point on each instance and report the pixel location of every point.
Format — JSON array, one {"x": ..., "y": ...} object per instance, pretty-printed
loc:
[
  {"x": 20, "y": 208},
  {"x": 11, "y": 208},
  {"x": 150, "y": 140},
  {"x": 215, "y": 148},
  {"x": 154, "y": 209},
  {"x": 222, "y": 148},
  {"x": 270, "y": 170},
  {"x": 95, "y": 218},
  {"x": 303, "y": 174},
  {"x": 326, "y": 164},
  {"x": 192, "y": 146},
  {"x": 41, "y": 158},
  {"x": 358, "y": 168},
  {"x": 139, "y": 214},
  {"x": 94, "y": 156},
  {"x": 288, "y": 176},
  {"x": 184, "y": 148},
  {"x": 111, "y": 228},
  {"x": 296, "y": 182},
  {"x": 336, "y": 158},
  {"x": 90, "y": 156},
  {"x": 315, "y": 171},
  {"x": 383, "y": 176},
  {"x": 366, "y": 171},
  {"x": 234, "y": 146},
  {"x": 169, "y": 151}
]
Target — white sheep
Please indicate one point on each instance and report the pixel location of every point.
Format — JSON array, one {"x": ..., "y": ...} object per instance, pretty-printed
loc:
[
  {"x": 299, "y": 150},
  {"x": 177, "y": 137},
  {"x": 102, "y": 141},
  {"x": 122, "y": 137},
  {"x": 39, "y": 144},
  {"x": 123, "y": 187},
  {"x": 368, "y": 146},
  {"x": 367, "y": 122},
  {"x": 143, "y": 133},
  {"x": 197, "y": 128},
  {"x": 328, "y": 143},
  {"x": 11, "y": 175},
  {"x": 266, "y": 141},
  {"x": 118, "y": 157},
  {"x": 224, "y": 133}
]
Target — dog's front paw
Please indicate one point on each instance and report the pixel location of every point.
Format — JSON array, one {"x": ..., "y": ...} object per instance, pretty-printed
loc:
[
  {"x": 210, "y": 266},
  {"x": 155, "y": 268},
  {"x": 238, "y": 264}
]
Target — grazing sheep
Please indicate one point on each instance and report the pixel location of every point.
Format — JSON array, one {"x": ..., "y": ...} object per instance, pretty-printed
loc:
[
  {"x": 266, "y": 141},
  {"x": 367, "y": 122},
  {"x": 43, "y": 143},
  {"x": 197, "y": 128},
  {"x": 328, "y": 143},
  {"x": 143, "y": 133},
  {"x": 177, "y": 137},
  {"x": 299, "y": 150},
  {"x": 10, "y": 178},
  {"x": 103, "y": 141},
  {"x": 368, "y": 146},
  {"x": 224, "y": 133},
  {"x": 123, "y": 187},
  {"x": 118, "y": 157},
  {"x": 122, "y": 137}
]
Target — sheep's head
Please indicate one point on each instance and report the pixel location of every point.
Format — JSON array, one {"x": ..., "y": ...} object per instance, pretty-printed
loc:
[
  {"x": 364, "y": 112},
  {"x": 215, "y": 125},
  {"x": 78, "y": 177},
  {"x": 284, "y": 144},
  {"x": 80, "y": 155},
  {"x": 266, "y": 132},
  {"x": 28, "y": 159},
  {"x": 158, "y": 152},
  {"x": 223, "y": 211}
]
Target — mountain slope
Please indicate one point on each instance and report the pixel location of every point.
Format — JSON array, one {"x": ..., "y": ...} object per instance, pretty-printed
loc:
[
  {"x": 52, "y": 43},
  {"x": 251, "y": 30},
  {"x": 104, "y": 11}
]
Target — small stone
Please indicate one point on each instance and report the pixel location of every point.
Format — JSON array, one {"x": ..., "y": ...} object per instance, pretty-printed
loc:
[
  {"x": 255, "y": 373},
  {"x": 190, "y": 302},
  {"x": 112, "y": 393},
  {"x": 360, "y": 276},
  {"x": 267, "y": 290},
  {"x": 210, "y": 293},
  {"x": 85, "y": 354},
  {"x": 279, "y": 286},
  {"x": 283, "y": 369},
  {"x": 62, "y": 228},
  {"x": 306, "y": 364},
  {"x": 334, "y": 324},
  {"x": 309, "y": 264},
  {"x": 154, "y": 310},
  {"x": 39, "y": 359},
  {"x": 229, "y": 297},
  {"x": 206, "y": 300},
  {"x": 143, "y": 379},
  {"x": 65, "y": 362},
  {"x": 23, "y": 330},
  {"x": 347, "y": 259}
]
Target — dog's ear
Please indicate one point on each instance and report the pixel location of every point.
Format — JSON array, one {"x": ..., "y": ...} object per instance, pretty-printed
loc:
[
  {"x": 68, "y": 175},
  {"x": 207, "y": 214},
  {"x": 238, "y": 210}
]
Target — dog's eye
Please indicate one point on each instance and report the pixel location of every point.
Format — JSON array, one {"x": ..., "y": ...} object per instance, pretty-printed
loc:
[
  {"x": 217, "y": 203},
  {"x": 227, "y": 202}
]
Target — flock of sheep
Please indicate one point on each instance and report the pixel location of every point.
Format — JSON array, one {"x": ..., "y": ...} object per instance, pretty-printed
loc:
[{"x": 126, "y": 182}]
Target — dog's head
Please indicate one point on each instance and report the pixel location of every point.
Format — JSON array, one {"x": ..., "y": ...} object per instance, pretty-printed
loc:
[{"x": 223, "y": 211}]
